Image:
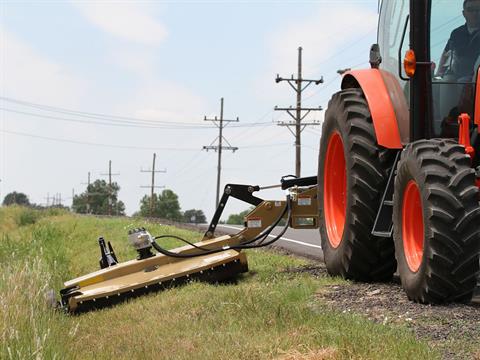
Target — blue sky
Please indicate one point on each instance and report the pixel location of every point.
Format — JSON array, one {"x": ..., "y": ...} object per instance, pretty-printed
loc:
[{"x": 165, "y": 62}]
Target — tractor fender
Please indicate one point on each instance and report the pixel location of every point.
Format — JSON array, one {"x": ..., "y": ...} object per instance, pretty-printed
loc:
[{"x": 387, "y": 104}]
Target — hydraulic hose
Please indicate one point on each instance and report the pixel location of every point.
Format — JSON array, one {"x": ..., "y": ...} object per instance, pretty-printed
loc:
[
  {"x": 181, "y": 239},
  {"x": 264, "y": 234},
  {"x": 245, "y": 245}
]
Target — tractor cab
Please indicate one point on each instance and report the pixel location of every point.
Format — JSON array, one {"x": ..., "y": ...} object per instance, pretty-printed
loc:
[{"x": 441, "y": 40}]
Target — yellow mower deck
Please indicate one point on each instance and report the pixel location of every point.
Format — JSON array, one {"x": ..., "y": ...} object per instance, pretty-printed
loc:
[
  {"x": 212, "y": 259},
  {"x": 136, "y": 277}
]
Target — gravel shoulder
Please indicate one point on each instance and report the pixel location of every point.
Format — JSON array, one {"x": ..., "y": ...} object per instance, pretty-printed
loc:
[{"x": 453, "y": 329}]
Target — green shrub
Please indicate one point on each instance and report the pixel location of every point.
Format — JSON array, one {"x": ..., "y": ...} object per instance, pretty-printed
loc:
[{"x": 27, "y": 217}]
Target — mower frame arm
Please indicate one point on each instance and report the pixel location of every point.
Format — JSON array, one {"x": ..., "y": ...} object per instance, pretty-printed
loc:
[{"x": 240, "y": 192}]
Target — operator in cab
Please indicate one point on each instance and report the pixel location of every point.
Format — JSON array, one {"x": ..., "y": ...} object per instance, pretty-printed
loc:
[
  {"x": 463, "y": 48},
  {"x": 458, "y": 65}
]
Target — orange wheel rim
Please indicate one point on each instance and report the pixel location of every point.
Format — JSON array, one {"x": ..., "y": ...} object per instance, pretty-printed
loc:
[
  {"x": 412, "y": 226},
  {"x": 335, "y": 190}
]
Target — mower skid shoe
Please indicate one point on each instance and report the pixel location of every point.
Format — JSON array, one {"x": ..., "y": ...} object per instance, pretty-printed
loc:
[{"x": 112, "y": 285}]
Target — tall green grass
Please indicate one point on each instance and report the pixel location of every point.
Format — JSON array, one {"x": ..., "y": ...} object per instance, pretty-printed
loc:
[
  {"x": 270, "y": 313},
  {"x": 33, "y": 260}
]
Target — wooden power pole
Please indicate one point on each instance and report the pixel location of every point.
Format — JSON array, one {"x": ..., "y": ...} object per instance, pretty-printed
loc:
[
  {"x": 88, "y": 193},
  {"x": 110, "y": 201},
  {"x": 297, "y": 85},
  {"x": 220, "y": 124},
  {"x": 153, "y": 186}
]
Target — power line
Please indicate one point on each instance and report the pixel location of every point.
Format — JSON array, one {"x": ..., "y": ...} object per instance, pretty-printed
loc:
[
  {"x": 102, "y": 123},
  {"x": 220, "y": 124},
  {"x": 17, "y": 133},
  {"x": 110, "y": 120},
  {"x": 332, "y": 81},
  {"x": 264, "y": 145},
  {"x": 326, "y": 86},
  {"x": 298, "y": 117},
  {"x": 87, "y": 114},
  {"x": 94, "y": 144},
  {"x": 347, "y": 47},
  {"x": 187, "y": 165},
  {"x": 258, "y": 122}
]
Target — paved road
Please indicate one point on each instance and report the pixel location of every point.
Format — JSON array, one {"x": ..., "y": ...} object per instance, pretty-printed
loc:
[
  {"x": 300, "y": 242},
  {"x": 304, "y": 243}
]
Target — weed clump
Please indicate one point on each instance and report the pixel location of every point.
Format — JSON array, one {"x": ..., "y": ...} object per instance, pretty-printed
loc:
[{"x": 27, "y": 217}]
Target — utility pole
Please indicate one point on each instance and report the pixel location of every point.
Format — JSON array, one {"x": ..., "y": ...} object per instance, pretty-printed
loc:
[
  {"x": 110, "y": 201},
  {"x": 88, "y": 193},
  {"x": 152, "y": 186},
  {"x": 55, "y": 199},
  {"x": 48, "y": 199},
  {"x": 220, "y": 124},
  {"x": 298, "y": 117},
  {"x": 73, "y": 196}
]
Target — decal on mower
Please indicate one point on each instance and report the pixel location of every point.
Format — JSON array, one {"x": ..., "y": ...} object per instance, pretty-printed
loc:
[
  {"x": 304, "y": 201},
  {"x": 254, "y": 223}
]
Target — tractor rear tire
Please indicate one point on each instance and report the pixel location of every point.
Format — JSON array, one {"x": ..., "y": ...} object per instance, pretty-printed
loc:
[
  {"x": 436, "y": 218},
  {"x": 352, "y": 175}
]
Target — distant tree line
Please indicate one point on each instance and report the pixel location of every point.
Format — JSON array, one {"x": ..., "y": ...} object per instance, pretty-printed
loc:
[
  {"x": 102, "y": 199},
  {"x": 99, "y": 199},
  {"x": 166, "y": 206},
  {"x": 238, "y": 219},
  {"x": 16, "y": 198},
  {"x": 21, "y": 199}
]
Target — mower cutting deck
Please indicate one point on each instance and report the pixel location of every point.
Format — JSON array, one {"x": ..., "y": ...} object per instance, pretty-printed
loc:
[
  {"x": 213, "y": 259},
  {"x": 137, "y": 277}
]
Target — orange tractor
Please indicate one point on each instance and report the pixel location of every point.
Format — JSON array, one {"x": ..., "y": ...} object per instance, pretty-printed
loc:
[{"x": 399, "y": 158}]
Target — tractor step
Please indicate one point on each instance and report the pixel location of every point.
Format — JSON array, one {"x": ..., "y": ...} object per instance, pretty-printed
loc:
[{"x": 383, "y": 226}]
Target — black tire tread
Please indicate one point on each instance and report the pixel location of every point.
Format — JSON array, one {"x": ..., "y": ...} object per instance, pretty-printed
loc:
[
  {"x": 452, "y": 265},
  {"x": 365, "y": 258}
]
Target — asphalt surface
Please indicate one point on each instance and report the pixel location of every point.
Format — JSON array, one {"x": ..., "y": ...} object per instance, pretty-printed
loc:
[{"x": 303, "y": 242}]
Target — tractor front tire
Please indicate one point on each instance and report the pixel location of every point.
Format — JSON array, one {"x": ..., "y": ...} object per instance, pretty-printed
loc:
[
  {"x": 436, "y": 218},
  {"x": 352, "y": 175}
]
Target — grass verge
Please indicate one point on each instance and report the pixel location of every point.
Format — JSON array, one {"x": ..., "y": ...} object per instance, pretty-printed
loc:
[{"x": 271, "y": 313}]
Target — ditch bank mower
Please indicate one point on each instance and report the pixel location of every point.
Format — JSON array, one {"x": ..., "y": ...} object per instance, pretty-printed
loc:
[
  {"x": 213, "y": 259},
  {"x": 398, "y": 174}
]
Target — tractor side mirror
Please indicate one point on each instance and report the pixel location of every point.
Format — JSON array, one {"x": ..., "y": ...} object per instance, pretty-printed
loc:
[{"x": 375, "y": 57}]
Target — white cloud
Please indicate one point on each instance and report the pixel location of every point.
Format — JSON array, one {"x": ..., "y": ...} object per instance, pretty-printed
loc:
[
  {"x": 140, "y": 62},
  {"x": 167, "y": 102},
  {"x": 31, "y": 165},
  {"x": 26, "y": 74},
  {"x": 321, "y": 35},
  {"x": 328, "y": 31},
  {"x": 128, "y": 21}
]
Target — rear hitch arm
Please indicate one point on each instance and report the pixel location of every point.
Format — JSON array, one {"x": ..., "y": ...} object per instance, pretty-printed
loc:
[
  {"x": 240, "y": 192},
  {"x": 245, "y": 193},
  {"x": 108, "y": 257}
]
